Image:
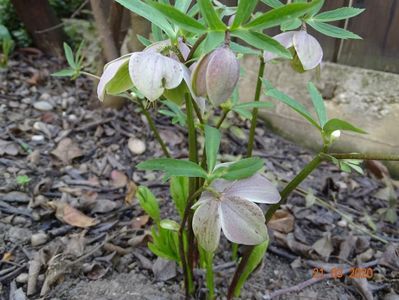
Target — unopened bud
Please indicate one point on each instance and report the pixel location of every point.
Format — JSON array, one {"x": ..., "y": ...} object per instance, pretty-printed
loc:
[{"x": 216, "y": 75}]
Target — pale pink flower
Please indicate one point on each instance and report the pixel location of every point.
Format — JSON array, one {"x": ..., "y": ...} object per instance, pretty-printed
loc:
[
  {"x": 306, "y": 46},
  {"x": 232, "y": 210}
]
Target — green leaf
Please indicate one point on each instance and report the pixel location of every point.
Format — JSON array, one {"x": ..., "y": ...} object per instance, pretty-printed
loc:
[
  {"x": 69, "y": 56},
  {"x": 337, "y": 124},
  {"x": 212, "y": 40},
  {"x": 210, "y": 15},
  {"x": 170, "y": 225},
  {"x": 280, "y": 15},
  {"x": 291, "y": 25},
  {"x": 242, "y": 49},
  {"x": 148, "y": 203},
  {"x": 263, "y": 42},
  {"x": 173, "y": 167},
  {"x": 246, "y": 114},
  {"x": 144, "y": 41},
  {"x": 250, "y": 105},
  {"x": 64, "y": 73},
  {"x": 182, "y": 5},
  {"x": 212, "y": 143},
  {"x": 242, "y": 169},
  {"x": 179, "y": 193},
  {"x": 273, "y": 3},
  {"x": 295, "y": 105},
  {"x": 255, "y": 258},
  {"x": 4, "y": 33},
  {"x": 178, "y": 17},
  {"x": 333, "y": 31},
  {"x": 149, "y": 13},
  {"x": 341, "y": 13},
  {"x": 244, "y": 10},
  {"x": 318, "y": 104}
]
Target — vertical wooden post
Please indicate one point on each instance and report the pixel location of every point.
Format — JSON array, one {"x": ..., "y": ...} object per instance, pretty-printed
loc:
[{"x": 42, "y": 24}]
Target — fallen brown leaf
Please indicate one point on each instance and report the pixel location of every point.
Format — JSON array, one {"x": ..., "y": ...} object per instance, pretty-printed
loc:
[
  {"x": 119, "y": 179},
  {"x": 282, "y": 221},
  {"x": 67, "y": 150},
  {"x": 70, "y": 215},
  {"x": 130, "y": 193},
  {"x": 7, "y": 147},
  {"x": 139, "y": 222}
]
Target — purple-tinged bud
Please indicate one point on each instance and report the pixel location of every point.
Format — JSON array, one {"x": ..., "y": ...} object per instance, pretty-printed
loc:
[{"x": 216, "y": 75}]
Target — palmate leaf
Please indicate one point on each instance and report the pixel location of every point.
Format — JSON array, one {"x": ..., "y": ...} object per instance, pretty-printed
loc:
[
  {"x": 149, "y": 13},
  {"x": 244, "y": 10},
  {"x": 318, "y": 104},
  {"x": 341, "y": 13},
  {"x": 178, "y": 17},
  {"x": 295, "y": 105},
  {"x": 332, "y": 31},
  {"x": 210, "y": 15},
  {"x": 280, "y": 15},
  {"x": 263, "y": 42},
  {"x": 173, "y": 167}
]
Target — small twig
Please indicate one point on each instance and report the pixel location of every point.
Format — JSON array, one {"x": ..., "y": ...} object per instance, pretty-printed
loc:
[{"x": 13, "y": 273}]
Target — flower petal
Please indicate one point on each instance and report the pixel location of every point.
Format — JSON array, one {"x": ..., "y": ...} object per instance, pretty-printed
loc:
[
  {"x": 285, "y": 39},
  {"x": 308, "y": 49},
  {"x": 206, "y": 225},
  {"x": 198, "y": 78},
  {"x": 200, "y": 100},
  {"x": 242, "y": 221},
  {"x": 110, "y": 70},
  {"x": 222, "y": 75},
  {"x": 255, "y": 188},
  {"x": 152, "y": 72}
]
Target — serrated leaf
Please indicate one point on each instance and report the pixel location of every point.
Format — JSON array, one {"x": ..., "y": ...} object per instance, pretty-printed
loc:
[
  {"x": 173, "y": 167},
  {"x": 64, "y": 73},
  {"x": 149, "y": 13},
  {"x": 212, "y": 143},
  {"x": 341, "y": 13},
  {"x": 263, "y": 42},
  {"x": 244, "y": 10},
  {"x": 318, "y": 104},
  {"x": 295, "y": 105},
  {"x": 243, "y": 168},
  {"x": 333, "y": 31},
  {"x": 178, "y": 17},
  {"x": 210, "y": 15},
  {"x": 280, "y": 15},
  {"x": 255, "y": 258},
  {"x": 69, "y": 56},
  {"x": 148, "y": 203},
  {"x": 337, "y": 124}
]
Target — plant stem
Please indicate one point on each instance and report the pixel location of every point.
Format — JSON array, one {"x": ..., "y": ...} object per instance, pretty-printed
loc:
[
  {"x": 90, "y": 75},
  {"x": 309, "y": 168},
  {"x": 210, "y": 283},
  {"x": 198, "y": 112},
  {"x": 222, "y": 118},
  {"x": 364, "y": 156},
  {"x": 154, "y": 129},
  {"x": 195, "y": 46},
  {"x": 234, "y": 251},
  {"x": 255, "y": 110}
]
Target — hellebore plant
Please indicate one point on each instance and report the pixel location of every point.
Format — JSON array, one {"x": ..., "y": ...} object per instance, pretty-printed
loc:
[{"x": 192, "y": 68}]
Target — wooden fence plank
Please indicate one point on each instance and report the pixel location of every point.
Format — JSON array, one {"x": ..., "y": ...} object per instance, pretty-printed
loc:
[{"x": 378, "y": 26}]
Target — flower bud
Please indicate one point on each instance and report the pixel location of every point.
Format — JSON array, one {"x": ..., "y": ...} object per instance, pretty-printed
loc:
[{"x": 216, "y": 75}]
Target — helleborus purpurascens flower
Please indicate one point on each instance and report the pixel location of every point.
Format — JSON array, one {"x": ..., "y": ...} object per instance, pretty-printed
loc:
[
  {"x": 216, "y": 75},
  {"x": 233, "y": 211},
  {"x": 151, "y": 72},
  {"x": 307, "y": 48}
]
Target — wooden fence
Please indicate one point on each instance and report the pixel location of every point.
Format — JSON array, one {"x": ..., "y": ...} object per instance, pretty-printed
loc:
[{"x": 379, "y": 27}]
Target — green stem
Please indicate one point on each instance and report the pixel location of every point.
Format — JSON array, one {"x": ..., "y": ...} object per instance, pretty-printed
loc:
[
  {"x": 154, "y": 129},
  {"x": 234, "y": 251},
  {"x": 222, "y": 118},
  {"x": 195, "y": 46},
  {"x": 210, "y": 282},
  {"x": 365, "y": 156},
  {"x": 289, "y": 188},
  {"x": 198, "y": 112},
  {"x": 187, "y": 274},
  {"x": 255, "y": 110},
  {"x": 90, "y": 75}
]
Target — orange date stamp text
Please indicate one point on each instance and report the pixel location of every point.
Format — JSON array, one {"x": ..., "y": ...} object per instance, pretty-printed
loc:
[{"x": 337, "y": 273}]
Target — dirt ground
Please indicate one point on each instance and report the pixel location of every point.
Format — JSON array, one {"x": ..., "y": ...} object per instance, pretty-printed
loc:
[{"x": 62, "y": 154}]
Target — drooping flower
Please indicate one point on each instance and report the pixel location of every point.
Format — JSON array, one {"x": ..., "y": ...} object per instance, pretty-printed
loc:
[
  {"x": 150, "y": 71},
  {"x": 307, "y": 48},
  {"x": 232, "y": 210},
  {"x": 216, "y": 75}
]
